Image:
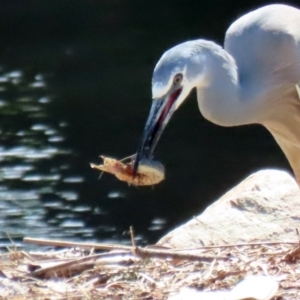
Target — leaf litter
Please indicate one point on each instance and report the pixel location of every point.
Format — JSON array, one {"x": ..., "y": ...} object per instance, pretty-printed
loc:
[{"x": 117, "y": 272}]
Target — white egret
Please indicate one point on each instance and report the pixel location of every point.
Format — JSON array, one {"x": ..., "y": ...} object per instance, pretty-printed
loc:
[{"x": 254, "y": 79}]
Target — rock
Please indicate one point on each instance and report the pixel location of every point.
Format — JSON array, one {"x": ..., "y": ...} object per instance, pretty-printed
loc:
[
  {"x": 263, "y": 207},
  {"x": 252, "y": 287}
]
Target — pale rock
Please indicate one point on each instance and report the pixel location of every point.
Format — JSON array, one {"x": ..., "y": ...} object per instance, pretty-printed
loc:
[
  {"x": 252, "y": 287},
  {"x": 263, "y": 207}
]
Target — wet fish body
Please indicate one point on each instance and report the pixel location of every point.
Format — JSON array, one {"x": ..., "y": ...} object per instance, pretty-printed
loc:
[{"x": 150, "y": 172}]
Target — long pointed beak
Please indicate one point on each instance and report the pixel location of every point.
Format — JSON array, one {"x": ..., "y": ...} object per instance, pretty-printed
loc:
[{"x": 160, "y": 113}]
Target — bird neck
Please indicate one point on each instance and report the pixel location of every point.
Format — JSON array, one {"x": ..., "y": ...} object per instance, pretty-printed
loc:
[
  {"x": 283, "y": 123},
  {"x": 222, "y": 99}
]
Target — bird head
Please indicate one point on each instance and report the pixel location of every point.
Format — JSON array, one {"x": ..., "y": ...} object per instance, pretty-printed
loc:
[{"x": 175, "y": 75}]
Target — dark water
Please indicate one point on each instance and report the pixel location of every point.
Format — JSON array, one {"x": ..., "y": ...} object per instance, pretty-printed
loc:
[{"x": 74, "y": 84}]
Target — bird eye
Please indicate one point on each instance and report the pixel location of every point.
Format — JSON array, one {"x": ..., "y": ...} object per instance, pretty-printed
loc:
[{"x": 177, "y": 79}]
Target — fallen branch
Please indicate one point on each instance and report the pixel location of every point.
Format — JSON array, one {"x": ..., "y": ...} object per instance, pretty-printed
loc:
[
  {"x": 59, "y": 243},
  {"x": 138, "y": 251}
]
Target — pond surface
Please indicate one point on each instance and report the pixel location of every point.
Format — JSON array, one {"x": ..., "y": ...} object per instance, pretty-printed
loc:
[{"x": 75, "y": 83}]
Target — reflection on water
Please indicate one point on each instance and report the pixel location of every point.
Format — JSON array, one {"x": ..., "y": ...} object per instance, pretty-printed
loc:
[{"x": 37, "y": 191}]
